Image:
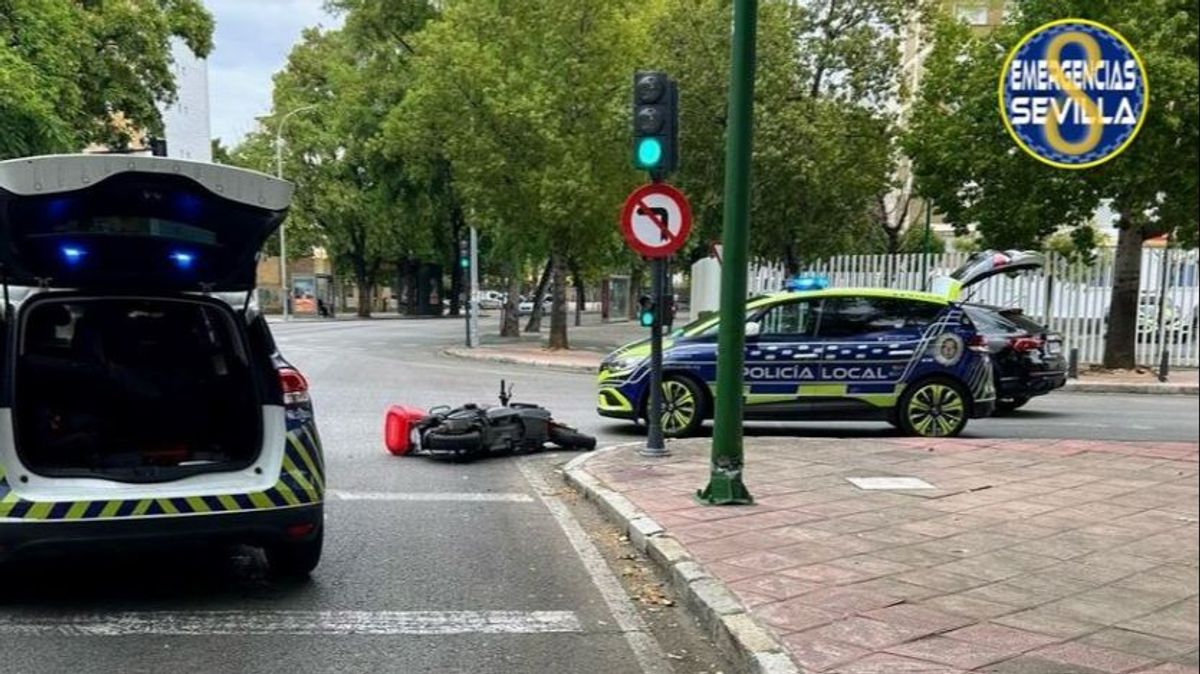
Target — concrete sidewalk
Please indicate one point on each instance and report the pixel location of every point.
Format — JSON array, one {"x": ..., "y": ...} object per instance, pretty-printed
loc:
[
  {"x": 1020, "y": 557},
  {"x": 1182, "y": 382}
]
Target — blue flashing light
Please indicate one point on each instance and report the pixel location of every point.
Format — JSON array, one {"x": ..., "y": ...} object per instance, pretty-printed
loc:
[
  {"x": 73, "y": 254},
  {"x": 183, "y": 260},
  {"x": 807, "y": 282}
]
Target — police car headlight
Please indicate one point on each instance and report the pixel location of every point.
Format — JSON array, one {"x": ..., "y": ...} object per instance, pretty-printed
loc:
[{"x": 624, "y": 363}]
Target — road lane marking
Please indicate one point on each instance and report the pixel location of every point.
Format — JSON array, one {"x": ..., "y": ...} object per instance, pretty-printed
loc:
[
  {"x": 468, "y": 497},
  {"x": 645, "y": 647},
  {"x": 296, "y": 623}
]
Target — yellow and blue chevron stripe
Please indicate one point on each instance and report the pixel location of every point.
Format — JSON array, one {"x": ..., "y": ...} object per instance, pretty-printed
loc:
[{"x": 301, "y": 482}]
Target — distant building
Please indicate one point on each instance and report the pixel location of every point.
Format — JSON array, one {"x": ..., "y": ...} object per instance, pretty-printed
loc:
[{"x": 186, "y": 121}]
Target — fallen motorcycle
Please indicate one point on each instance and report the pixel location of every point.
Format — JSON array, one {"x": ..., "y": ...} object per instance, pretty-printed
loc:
[{"x": 472, "y": 431}]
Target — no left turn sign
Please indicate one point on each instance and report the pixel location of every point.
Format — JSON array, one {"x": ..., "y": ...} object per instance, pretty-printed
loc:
[{"x": 656, "y": 220}]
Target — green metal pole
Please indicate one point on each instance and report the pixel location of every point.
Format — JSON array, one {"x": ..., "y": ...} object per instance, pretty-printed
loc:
[{"x": 725, "y": 486}]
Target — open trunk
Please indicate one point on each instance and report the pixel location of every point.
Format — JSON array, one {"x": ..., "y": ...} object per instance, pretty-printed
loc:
[{"x": 137, "y": 389}]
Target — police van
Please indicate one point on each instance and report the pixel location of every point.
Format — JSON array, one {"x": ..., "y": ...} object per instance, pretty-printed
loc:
[
  {"x": 912, "y": 359},
  {"x": 142, "y": 398}
]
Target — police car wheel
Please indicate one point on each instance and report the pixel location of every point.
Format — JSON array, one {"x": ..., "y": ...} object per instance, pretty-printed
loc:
[
  {"x": 295, "y": 559},
  {"x": 933, "y": 408},
  {"x": 682, "y": 407}
]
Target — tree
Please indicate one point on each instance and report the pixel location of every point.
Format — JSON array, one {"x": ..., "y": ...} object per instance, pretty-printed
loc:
[
  {"x": 359, "y": 212},
  {"x": 72, "y": 72},
  {"x": 535, "y": 129},
  {"x": 826, "y": 97},
  {"x": 966, "y": 163},
  {"x": 220, "y": 153}
]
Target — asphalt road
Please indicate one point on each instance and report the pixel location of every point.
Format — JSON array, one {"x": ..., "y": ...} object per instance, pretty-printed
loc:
[
  {"x": 421, "y": 376},
  {"x": 428, "y": 566},
  {"x": 490, "y": 551}
]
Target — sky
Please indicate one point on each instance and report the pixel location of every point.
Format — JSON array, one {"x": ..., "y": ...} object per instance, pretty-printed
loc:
[{"x": 251, "y": 43}]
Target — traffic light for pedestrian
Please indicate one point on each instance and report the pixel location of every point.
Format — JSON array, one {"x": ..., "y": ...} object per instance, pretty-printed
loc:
[
  {"x": 646, "y": 311},
  {"x": 655, "y": 123}
]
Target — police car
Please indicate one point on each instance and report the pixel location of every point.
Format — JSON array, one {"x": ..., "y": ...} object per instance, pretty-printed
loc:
[
  {"x": 912, "y": 359},
  {"x": 143, "y": 398}
]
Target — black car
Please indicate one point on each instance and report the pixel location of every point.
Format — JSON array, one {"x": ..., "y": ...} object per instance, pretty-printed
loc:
[{"x": 1027, "y": 359}]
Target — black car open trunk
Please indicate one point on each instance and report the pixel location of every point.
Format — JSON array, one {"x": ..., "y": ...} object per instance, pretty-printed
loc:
[{"x": 133, "y": 389}]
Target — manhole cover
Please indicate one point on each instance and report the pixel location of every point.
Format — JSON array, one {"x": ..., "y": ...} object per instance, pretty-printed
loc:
[{"x": 890, "y": 483}]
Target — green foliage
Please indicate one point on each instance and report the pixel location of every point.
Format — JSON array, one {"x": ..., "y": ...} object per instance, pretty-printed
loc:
[
  {"x": 913, "y": 240},
  {"x": 220, "y": 153},
  {"x": 826, "y": 95},
  {"x": 966, "y": 162},
  {"x": 1077, "y": 245},
  {"x": 75, "y": 72}
]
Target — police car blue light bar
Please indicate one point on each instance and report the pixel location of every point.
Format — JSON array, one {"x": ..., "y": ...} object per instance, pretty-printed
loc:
[
  {"x": 73, "y": 254},
  {"x": 182, "y": 259},
  {"x": 807, "y": 282}
]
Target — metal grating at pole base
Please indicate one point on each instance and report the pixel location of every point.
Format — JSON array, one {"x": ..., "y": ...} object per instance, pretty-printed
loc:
[{"x": 725, "y": 487}]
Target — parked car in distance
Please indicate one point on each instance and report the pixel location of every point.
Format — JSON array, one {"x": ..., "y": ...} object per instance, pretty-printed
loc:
[
  {"x": 491, "y": 299},
  {"x": 1027, "y": 358},
  {"x": 526, "y": 306}
]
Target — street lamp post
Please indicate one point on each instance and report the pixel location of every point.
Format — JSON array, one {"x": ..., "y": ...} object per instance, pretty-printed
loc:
[{"x": 286, "y": 292}]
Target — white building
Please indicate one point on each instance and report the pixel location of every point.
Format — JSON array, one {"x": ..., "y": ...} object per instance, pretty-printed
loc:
[{"x": 186, "y": 121}]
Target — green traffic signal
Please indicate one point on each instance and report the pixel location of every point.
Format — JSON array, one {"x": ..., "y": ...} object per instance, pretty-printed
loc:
[
  {"x": 649, "y": 152},
  {"x": 464, "y": 262},
  {"x": 647, "y": 318}
]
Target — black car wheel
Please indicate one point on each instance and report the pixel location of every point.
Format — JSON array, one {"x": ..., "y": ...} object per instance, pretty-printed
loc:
[
  {"x": 1010, "y": 405},
  {"x": 295, "y": 559},
  {"x": 682, "y": 407},
  {"x": 934, "y": 408}
]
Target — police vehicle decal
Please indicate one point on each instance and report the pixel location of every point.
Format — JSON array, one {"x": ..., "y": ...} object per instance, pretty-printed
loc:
[{"x": 301, "y": 482}]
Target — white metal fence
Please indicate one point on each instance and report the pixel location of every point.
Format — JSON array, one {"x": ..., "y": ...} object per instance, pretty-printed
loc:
[{"x": 1072, "y": 299}]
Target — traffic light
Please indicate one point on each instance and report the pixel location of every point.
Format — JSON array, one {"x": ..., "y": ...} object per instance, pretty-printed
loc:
[
  {"x": 464, "y": 254},
  {"x": 646, "y": 311},
  {"x": 655, "y": 122}
]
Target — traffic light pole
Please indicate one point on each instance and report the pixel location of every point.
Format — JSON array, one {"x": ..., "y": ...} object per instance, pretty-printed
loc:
[
  {"x": 655, "y": 445},
  {"x": 725, "y": 485},
  {"x": 473, "y": 292}
]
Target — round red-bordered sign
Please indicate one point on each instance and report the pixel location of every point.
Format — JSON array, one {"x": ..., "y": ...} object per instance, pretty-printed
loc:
[{"x": 656, "y": 220}]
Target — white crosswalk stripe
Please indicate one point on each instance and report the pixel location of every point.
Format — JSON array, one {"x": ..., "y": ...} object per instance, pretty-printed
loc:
[{"x": 300, "y": 623}]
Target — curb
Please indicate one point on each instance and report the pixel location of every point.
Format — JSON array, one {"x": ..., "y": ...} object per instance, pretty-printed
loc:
[
  {"x": 1154, "y": 388},
  {"x": 482, "y": 356},
  {"x": 750, "y": 646}
]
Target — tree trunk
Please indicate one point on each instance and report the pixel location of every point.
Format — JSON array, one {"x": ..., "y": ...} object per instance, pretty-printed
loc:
[
  {"x": 580, "y": 297},
  {"x": 535, "y": 316},
  {"x": 1120, "y": 339},
  {"x": 893, "y": 239},
  {"x": 364, "y": 297},
  {"x": 510, "y": 322},
  {"x": 635, "y": 291},
  {"x": 558, "y": 307},
  {"x": 791, "y": 261}
]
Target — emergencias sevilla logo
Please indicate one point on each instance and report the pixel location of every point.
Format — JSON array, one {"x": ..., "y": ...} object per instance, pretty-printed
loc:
[{"x": 1073, "y": 93}]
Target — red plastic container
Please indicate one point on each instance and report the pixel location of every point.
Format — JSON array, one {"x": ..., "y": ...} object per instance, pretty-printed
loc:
[{"x": 397, "y": 427}]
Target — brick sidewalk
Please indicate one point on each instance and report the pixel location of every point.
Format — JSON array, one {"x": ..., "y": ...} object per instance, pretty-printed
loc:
[{"x": 1046, "y": 557}]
